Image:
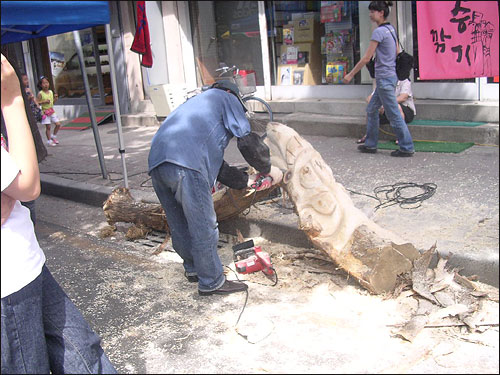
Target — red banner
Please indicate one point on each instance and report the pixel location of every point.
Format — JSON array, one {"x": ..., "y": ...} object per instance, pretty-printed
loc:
[{"x": 457, "y": 39}]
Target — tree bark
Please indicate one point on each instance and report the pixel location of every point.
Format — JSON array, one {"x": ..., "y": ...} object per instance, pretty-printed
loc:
[{"x": 122, "y": 207}]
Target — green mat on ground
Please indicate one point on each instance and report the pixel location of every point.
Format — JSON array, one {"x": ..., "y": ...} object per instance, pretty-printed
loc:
[
  {"x": 446, "y": 123},
  {"x": 422, "y": 146},
  {"x": 83, "y": 122}
]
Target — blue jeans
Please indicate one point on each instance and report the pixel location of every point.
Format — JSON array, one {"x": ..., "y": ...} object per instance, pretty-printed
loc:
[
  {"x": 385, "y": 94},
  {"x": 43, "y": 332},
  {"x": 186, "y": 197}
]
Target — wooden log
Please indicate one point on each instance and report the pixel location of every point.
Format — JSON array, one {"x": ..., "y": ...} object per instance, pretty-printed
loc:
[
  {"x": 373, "y": 255},
  {"x": 229, "y": 203},
  {"x": 122, "y": 207}
]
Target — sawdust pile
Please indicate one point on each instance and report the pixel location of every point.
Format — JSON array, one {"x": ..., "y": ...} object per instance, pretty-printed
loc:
[
  {"x": 438, "y": 297},
  {"x": 426, "y": 297}
]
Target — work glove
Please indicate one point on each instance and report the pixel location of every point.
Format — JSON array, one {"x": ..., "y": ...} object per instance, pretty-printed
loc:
[
  {"x": 276, "y": 174},
  {"x": 262, "y": 181}
]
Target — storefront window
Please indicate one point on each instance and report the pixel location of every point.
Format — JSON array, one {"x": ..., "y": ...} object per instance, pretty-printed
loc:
[
  {"x": 313, "y": 42},
  {"x": 65, "y": 67},
  {"x": 226, "y": 33},
  {"x": 310, "y": 42}
]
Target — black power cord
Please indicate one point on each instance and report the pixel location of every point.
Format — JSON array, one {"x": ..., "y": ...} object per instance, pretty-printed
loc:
[
  {"x": 393, "y": 194},
  {"x": 246, "y": 298}
]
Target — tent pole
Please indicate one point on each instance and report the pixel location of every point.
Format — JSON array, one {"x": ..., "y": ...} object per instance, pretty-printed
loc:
[
  {"x": 88, "y": 96},
  {"x": 116, "y": 103}
]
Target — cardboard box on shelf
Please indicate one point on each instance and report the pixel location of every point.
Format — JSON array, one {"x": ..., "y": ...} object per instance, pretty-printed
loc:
[
  {"x": 312, "y": 15},
  {"x": 306, "y": 30}
]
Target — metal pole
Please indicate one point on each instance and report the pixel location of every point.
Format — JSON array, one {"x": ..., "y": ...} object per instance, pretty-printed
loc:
[
  {"x": 98, "y": 70},
  {"x": 116, "y": 103},
  {"x": 265, "y": 50},
  {"x": 88, "y": 96}
]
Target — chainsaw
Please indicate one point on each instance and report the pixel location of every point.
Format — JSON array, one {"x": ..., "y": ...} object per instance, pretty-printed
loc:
[{"x": 249, "y": 258}]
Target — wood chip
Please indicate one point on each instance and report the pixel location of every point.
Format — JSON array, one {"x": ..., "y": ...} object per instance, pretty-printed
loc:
[
  {"x": 419, "y": 272},
  {"x": 465, "y": 282}
]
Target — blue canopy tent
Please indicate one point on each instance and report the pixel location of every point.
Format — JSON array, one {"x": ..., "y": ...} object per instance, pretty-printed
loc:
[{"x": 23, "y": 20}]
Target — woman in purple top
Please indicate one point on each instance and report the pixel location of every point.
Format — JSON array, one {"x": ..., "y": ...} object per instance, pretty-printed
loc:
[{"x": 382, "y": 42}]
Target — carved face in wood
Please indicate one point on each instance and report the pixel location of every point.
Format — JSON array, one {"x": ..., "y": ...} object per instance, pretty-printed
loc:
[{"x": 320, "y": 201}]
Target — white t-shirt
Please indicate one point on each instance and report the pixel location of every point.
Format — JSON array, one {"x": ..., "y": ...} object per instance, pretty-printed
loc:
[
  {"x": 22, "y": 258},
  {"x": 404, "y": 87}
]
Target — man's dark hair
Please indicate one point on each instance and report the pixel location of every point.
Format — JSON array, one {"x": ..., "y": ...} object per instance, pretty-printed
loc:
[{"x": 381, "y": 6}]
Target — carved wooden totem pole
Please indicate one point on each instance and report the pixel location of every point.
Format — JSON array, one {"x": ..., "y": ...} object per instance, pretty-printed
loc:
[{"x": 373, "y": 255}]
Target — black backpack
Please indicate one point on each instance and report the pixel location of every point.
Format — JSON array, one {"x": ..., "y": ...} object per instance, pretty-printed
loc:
[{"x": 404, "y": 61}]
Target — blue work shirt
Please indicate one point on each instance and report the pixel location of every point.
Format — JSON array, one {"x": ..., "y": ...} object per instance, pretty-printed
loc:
[
  {"x": 196, "y": 134},
  {"x": 385, "y": 54}
]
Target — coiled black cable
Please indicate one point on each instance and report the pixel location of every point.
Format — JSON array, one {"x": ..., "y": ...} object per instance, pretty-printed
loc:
[{"x": 393, "y": 194}]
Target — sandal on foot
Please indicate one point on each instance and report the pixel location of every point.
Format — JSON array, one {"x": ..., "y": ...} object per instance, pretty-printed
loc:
[{"x": 361, "y": 140}]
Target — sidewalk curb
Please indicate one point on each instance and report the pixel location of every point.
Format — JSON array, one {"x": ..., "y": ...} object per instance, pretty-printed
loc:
[
  {"x": 84, "y": 192},
  {"x": 272, "y": 230}
]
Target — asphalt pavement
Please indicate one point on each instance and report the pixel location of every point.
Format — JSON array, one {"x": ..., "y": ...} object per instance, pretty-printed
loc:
[
  {"x": 315, "y": 320},
  {"x": 151, "y": 320},
  {"x": 461, "y": 217}
]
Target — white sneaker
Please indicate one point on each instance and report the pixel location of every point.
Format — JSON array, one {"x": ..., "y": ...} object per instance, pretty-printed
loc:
[
  {"x": 54, "y": 139},
  {"x": 50, "y": 142}
]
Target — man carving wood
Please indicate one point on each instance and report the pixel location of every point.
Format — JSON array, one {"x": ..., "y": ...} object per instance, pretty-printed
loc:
[{"x": 185, "y": 160}]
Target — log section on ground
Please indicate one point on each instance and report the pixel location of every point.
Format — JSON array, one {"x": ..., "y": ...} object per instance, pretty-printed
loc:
[
  {"x": 122, "y": 207},
  {"x": 373, "y": 255}
]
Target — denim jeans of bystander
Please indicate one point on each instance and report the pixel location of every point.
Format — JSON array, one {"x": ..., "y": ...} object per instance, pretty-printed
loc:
[
  {"x": 44, "y": 332},
  {"x": 385, "y": 95}
]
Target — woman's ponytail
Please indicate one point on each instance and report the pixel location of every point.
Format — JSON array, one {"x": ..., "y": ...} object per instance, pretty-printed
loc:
[{"x": 381, "y": 6}]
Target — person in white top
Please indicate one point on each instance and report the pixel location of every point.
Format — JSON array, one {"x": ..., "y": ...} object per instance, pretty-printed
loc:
[
  {"x": 406, "y": 105},
  {"x": 42, "y": 330}
]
